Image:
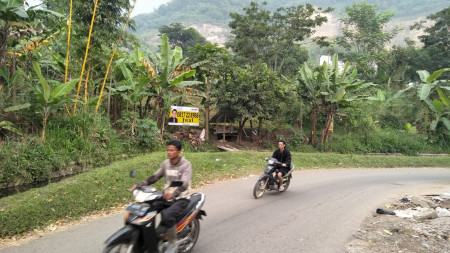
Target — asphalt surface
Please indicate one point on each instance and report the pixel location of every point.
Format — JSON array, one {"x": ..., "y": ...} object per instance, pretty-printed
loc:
[{"x": 319, "y": 212}]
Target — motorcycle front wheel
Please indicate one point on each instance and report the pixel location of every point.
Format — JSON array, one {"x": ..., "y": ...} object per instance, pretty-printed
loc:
[
  {"x": 121, "y": 247},
  {"x": 260, "y": 188}
]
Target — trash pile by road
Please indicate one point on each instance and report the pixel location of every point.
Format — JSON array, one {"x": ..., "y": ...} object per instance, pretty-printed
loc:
[{"x": 420, "y": 208}]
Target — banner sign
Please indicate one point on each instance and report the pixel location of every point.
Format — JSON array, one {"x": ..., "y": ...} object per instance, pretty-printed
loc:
[{"x": 183, "y": 116}]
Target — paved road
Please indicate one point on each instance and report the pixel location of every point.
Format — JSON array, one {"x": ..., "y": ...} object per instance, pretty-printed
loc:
[{"x": 319, "y": 213}]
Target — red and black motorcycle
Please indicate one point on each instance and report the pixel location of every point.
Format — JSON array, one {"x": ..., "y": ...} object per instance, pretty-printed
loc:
[{"x": 140, "y": 234}]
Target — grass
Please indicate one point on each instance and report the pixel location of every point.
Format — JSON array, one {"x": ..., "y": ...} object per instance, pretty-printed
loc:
[{"x": 103, "y": 188}]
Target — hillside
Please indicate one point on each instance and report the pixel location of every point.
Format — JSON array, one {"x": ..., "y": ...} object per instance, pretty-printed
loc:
[{"x": 211, "y": 17}]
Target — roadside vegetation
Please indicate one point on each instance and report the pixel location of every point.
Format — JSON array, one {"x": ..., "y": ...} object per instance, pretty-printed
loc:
[{"x": 104, "y": 188}]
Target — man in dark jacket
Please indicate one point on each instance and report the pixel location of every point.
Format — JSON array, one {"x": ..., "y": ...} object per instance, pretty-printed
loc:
[{"x": 283, "y": 155}]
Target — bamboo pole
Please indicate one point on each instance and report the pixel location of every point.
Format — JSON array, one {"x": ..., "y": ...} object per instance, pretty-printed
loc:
[
  {"x": 112, "y": 57},
  {"x": 68, "y": 52},
  {"x": 86, "y": 86},
  {"x": 85, "y": 57}
]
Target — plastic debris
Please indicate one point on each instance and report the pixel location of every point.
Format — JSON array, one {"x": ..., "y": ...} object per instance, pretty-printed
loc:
[
  {"x": 404, "y": 200},
  {"x": 384, "y": 211},
  {"x": 394, "y": 230}
]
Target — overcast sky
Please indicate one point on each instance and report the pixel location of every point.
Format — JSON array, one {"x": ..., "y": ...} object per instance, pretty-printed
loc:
[{"x": 143, "y": 6}]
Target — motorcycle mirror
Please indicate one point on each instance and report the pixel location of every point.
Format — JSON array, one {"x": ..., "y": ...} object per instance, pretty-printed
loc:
[
  {"x": 133, "y": 173},
  {"x": 176, "y": 183}
]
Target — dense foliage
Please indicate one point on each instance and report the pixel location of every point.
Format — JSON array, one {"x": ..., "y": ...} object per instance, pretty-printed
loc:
[{"x": 380, "y": 100}]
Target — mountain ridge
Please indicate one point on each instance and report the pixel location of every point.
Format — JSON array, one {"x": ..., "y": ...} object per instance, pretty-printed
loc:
[{"x": 211, "y": 17}]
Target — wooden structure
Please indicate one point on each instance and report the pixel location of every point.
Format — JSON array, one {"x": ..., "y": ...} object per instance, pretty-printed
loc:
[{"x": 223, "y": 123}]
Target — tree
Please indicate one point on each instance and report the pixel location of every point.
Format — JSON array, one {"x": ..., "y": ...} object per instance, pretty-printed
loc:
[
  {"x": 436, "y": 40},
  {"x": 181, "y": 36},
  {"x": 398, "y": 65},
  {"x": 14, "y": 16},
  {"x": 363, "y": 28},
  {"x": 109, "y": 19},
  {"x": 364, "y": 37},
  {"x": 271, "y": 38},
  {"x": 209, "y": 61},
  {"x": 252, "y": 92}
]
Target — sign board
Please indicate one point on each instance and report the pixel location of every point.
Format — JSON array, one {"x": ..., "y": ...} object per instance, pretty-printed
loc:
[{"x": 183, "y": 116}]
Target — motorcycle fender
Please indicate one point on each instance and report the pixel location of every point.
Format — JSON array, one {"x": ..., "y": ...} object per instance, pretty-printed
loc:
[
  {"x": 200, "y": 214},
  {"x": 263, "y": 176},
  {"x": 121, "y": 235}
]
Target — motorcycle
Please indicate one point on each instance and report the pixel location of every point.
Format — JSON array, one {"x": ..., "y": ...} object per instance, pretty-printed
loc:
[
  {"x": 140, "y": 232},
  {"x": 269, "y": 181}
]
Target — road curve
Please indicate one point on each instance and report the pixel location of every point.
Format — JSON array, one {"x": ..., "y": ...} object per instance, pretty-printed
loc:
[{"x": 320, "y": 212}]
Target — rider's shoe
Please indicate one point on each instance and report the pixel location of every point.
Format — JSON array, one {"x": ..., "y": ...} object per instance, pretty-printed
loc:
[
  {"x": 172, "y": 247},
  {"x": 281, "y": 188}
]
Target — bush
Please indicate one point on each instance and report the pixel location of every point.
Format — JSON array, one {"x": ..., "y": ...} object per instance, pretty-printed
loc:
[
  {"x": 72, "y": 143},
  {"x": 148, "y": 133},
  {"x": 383, "y": 141}
]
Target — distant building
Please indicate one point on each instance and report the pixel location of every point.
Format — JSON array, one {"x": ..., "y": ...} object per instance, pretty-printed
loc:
[{"x": 328, "y": 59}]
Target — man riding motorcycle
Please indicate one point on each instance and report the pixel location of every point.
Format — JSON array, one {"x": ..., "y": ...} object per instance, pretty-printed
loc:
[
  {"x": 283, "y": 155},
  {"x": 175, "y": 199}
]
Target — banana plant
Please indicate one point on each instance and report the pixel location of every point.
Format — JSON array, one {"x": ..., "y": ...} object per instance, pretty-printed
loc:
[
  {"x": 169, "y": 73},
  {"x": 310, "y": 93},
  {"x": 434, "y": 93},
  {"x": 7, "y": 125},
  {"x": 50, "y": 97},
  {"x": 133, "y": 90},
  {"x": 333, "y": 86},
  {"x": 340, "y": 88}
]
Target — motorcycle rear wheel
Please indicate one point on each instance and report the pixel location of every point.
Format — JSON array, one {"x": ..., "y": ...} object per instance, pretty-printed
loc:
[
  {"x": 194, "y": 231},
  {"x": 121, "y": 247},
  {"x": 286, "y": 183},
  {"x": 260, "y": 188}
]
